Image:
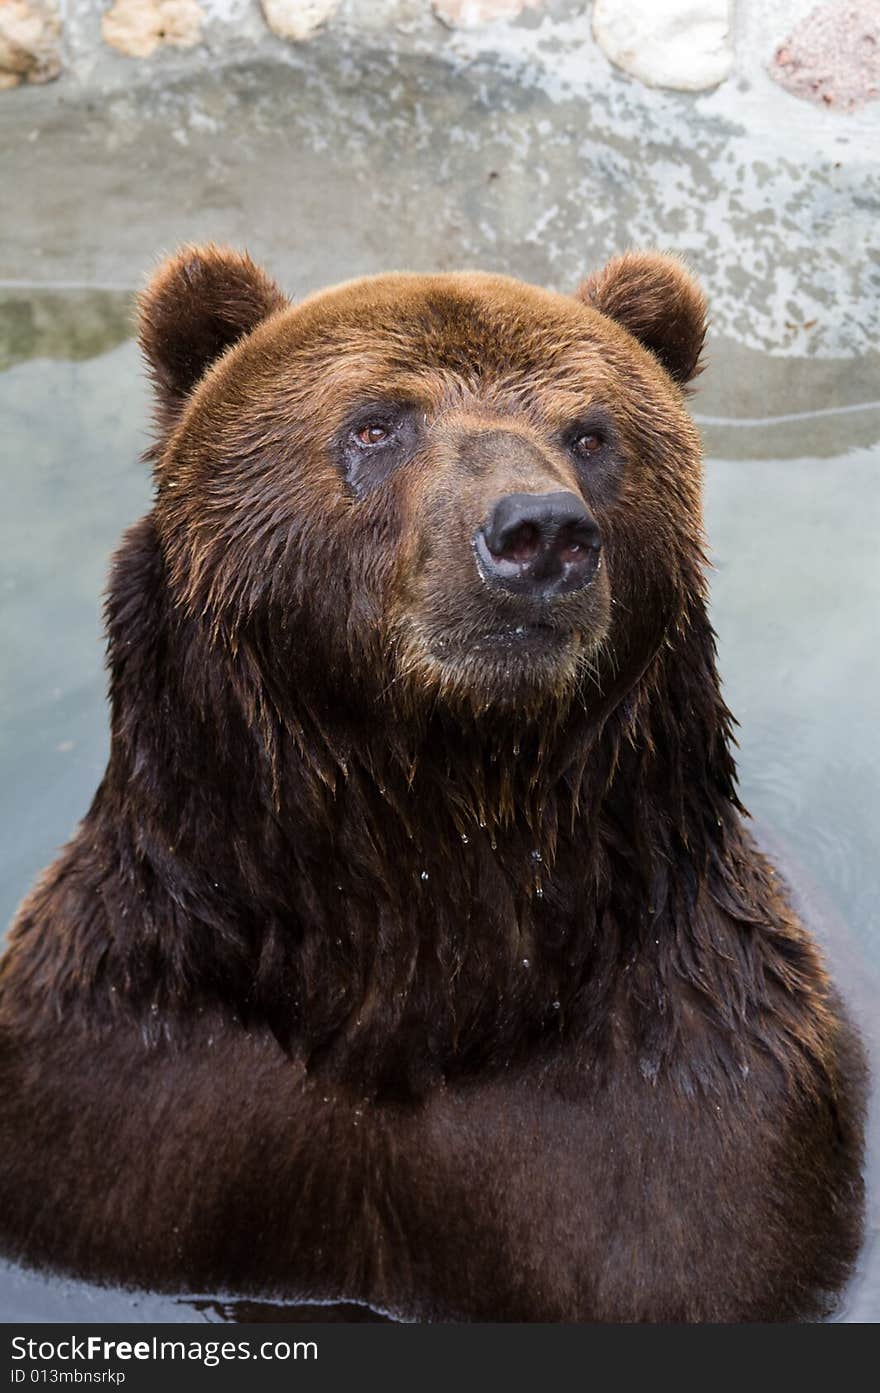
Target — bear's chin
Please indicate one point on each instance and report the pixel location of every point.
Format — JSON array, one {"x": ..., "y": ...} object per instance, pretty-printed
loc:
[{"x": 517, "y": 669}]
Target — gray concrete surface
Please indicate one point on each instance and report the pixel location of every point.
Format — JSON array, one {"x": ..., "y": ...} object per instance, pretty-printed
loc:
[{"x": 391, "y": 139}]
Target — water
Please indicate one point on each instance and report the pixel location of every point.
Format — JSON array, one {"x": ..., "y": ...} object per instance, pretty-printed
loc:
[
  {"x": 793, "y": 512},
  {"x": 795, "y": 597}
]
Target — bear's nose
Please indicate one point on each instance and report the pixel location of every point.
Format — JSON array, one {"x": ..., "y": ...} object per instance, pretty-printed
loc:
[{"x": 539, "y": 544}]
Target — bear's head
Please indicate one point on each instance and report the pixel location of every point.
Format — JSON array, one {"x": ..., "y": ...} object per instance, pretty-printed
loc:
[{"x": 453, "y": 490}]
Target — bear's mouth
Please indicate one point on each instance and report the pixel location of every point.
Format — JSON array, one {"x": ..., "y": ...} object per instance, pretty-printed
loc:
[
  {"x": 523, "y": 637},
  {"x": 519, "y": 643},
  {"x": 459, "y": 649},
  {"x": 511, "y": 665}
]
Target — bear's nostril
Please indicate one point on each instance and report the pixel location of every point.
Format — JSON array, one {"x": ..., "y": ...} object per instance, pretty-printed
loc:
[
  {"x": 539, "y": 544},
  {"x": 570, "y": 545},
  {"x": 519, "y": 544}
]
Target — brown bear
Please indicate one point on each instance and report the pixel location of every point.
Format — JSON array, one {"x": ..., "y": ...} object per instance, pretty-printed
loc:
[{"x": 413, "y": 951}]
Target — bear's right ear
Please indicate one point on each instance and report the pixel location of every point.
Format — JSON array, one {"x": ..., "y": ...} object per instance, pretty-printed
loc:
[
  {"x": 198, "y": 304},
  {"x": 655, "y": 298}
]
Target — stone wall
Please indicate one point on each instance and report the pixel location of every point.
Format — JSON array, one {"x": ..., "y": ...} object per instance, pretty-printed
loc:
[
  {"x": 533, "y": 137},
  {"x": 685, "y": 45}
]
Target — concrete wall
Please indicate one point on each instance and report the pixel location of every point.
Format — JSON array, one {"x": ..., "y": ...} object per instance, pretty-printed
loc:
[{"x": 391, "y": 138}]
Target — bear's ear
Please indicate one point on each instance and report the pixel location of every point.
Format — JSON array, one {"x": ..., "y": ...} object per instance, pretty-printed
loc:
[
  {"x": 195, "y": 306},
  {"x": 658, "y": 302}
]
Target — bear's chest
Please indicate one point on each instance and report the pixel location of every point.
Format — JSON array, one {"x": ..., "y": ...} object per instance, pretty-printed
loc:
[{"x": 222, "y": 1165}]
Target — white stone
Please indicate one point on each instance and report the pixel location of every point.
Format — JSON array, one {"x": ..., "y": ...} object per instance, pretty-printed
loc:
[
  {"x": 297, "y": 19},
  {"x": 138, "y": 27},
  {"x": 473, "y": 14},
  {"x": 30, "y": 32},
  {"x": 683, "y": 44}
]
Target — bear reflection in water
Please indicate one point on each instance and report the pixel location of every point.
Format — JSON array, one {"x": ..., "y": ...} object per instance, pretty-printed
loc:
[{"x": 414, "y": 953}]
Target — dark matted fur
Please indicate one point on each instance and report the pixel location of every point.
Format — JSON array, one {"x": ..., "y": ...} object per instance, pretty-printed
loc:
[{"x": 407, "y": 955}]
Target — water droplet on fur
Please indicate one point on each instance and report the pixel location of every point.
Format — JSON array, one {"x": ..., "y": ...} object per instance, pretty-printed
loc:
[
  {"x": 482, "y": 822},
  {"x": 539, "y": 891},
  {"x": 520, "y": 629},
  {"x": 154, "y": 1007},
  {"x": 526, "y": 963},
  {"x": 556, "y": 1005},
  {"x": 649, "y": 1069},
  {"x": 516, "y": 749},
  {"x": 465, "y": 838},
  {"x": 536, "y": 856},
  {"x": 425, "y": 875}
]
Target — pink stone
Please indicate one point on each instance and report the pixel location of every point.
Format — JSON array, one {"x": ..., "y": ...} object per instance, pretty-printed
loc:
[{"x": 833, "y": 56}]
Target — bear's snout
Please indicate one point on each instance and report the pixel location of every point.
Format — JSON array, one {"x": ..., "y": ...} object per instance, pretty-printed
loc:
[{"x": 538, "y": 544}]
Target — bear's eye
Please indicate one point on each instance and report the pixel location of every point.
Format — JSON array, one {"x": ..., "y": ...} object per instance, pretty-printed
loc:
[
  {"x": 375, "y": 442},
  {"x": 373, "y": 433},
  {"x": 587, "y": 444}
]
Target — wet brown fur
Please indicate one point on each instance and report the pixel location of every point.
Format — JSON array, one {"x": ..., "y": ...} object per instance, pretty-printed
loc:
[{"x": 398, "y": 959}]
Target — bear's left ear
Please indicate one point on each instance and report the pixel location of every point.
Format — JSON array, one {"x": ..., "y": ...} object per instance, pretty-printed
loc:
[
  {"x": 658, "y": 302},
  {"x": 195, "y": 306}
]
